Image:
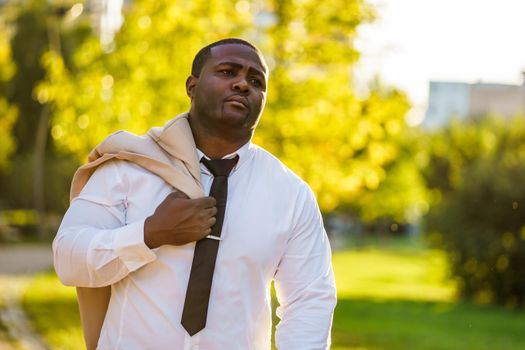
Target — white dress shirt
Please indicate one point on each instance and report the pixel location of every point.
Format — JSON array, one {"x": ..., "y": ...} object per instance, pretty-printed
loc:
[{"x": 272, "y": 230}]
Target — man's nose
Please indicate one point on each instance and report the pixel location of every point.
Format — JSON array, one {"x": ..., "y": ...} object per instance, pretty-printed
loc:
[{"x": 241, "y": 85}]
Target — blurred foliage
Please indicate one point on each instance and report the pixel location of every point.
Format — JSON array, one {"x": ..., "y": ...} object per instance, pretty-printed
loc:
[
  {"x": 28, "y": 42},
  {"x": 17, "y": 188},
  {"x": 476, "y": 170},
  {"x": 340, "y": 144},
  {"x": 8, "y": 112},
  {"x": 31, "y": 28},
  {"x": 36, "y": 25},
  {"x": 403, "y": 196}
]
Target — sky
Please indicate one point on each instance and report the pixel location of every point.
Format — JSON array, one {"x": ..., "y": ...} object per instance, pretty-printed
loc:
[{"x": 415, "y": 41}]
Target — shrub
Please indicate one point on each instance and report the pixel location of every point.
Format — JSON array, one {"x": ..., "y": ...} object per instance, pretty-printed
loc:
[{"x": 481, "y": 225}]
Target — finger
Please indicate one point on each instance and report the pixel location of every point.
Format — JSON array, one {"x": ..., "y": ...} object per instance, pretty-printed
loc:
[
  {"x": 205, "y": 202},
  {"x": 205, "y": 233},
  {"x": 212, "y": 221},
  {"x": 209, "y": 212}
]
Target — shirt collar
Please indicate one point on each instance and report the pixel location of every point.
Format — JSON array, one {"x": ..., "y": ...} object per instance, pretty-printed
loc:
[{"x": 242, "y": 152}]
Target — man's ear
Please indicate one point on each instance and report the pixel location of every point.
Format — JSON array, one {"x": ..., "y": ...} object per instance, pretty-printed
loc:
[{"x": 191, "y": 82}]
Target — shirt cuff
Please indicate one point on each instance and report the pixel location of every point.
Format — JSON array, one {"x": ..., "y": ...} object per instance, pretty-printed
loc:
[{"x": 130, "y": 247}]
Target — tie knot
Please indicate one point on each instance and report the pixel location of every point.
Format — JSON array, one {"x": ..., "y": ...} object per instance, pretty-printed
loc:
[{"x": 220, "y": 167}]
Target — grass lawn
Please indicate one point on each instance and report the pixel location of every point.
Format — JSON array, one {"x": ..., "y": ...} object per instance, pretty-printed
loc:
[
  {"x": 394, "y": 324},
  {"x": 10, "y": 286},
  {"x": 54, "y": 311},
  {"x": 388, "y": 299},
  {"x": 4, "y": 335}
]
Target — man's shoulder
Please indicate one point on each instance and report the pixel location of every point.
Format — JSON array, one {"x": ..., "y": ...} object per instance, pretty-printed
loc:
[
  {"x": 120, "y": 170},
  {"x": 290, "y": 189},
  {"x": 277, "y": 169},
  {"x": 124, "y": 141},
  {"x": 116, "y": 179}
]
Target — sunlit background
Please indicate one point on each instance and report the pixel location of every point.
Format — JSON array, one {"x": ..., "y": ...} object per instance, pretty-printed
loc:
[
  {"x": 414, "y": 42},
  {"x": 406, "y": 117}
]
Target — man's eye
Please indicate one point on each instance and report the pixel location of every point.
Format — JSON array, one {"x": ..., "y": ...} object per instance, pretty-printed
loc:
[
  {"x": 226, "y": 72},
  {"x": 256, "y": 82}
]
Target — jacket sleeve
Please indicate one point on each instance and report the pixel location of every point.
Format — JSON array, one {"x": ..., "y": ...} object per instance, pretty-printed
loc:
[
  {"x": 95, "y": 246},
  {"x": 305, "y": 284}
]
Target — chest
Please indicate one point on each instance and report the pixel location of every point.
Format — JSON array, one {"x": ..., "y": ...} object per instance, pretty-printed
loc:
[{"x": 257, "y": 224}]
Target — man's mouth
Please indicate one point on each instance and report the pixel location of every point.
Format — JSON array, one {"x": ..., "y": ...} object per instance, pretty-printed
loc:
[{"x": 238, "y": 102}]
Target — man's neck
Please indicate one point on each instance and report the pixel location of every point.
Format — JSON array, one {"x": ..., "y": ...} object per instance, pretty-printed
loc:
[{"x": 213, "y": 145}]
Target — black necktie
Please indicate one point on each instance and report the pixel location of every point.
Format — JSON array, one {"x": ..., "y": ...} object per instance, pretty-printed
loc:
[{"x": 199, "y": 286}]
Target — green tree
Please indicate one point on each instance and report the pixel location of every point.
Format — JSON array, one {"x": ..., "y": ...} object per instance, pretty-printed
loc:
[
  {"x": 336, "y": 141},
  {"x": 476, "y": 169},
  {"x": 339, "y": 143},
  {"x": 33, "y": 26},
  {"x": 8, "y": 112},
  {"x": 402, "y": 197}
]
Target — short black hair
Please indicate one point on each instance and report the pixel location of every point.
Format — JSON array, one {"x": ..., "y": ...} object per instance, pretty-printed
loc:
[{"x": 202, "y": 56}]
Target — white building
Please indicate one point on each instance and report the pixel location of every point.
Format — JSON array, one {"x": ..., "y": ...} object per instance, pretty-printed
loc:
[{"x": 449, "y": 100}]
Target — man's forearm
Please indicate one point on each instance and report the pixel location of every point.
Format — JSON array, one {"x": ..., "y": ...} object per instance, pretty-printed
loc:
[{"x": 306, "y": 321}]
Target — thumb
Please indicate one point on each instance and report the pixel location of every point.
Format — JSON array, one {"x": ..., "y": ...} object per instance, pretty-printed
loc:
[{"x": 179, "y": 194}]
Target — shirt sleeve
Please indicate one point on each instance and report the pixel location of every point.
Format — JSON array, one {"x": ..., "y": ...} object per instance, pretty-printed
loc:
[
  {"x": 305, "y": 283},
  {"x": 95, "y": 246}
]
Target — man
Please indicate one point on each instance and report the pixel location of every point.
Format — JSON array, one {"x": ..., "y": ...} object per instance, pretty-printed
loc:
[{"x": 130, "y": 230}]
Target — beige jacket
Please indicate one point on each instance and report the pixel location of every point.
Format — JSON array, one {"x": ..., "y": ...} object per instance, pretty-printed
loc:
[{"x": 168, "y": 152}]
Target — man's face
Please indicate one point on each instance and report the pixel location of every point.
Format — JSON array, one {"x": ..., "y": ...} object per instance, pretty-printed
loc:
[{"x": 230, "y": 93}]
